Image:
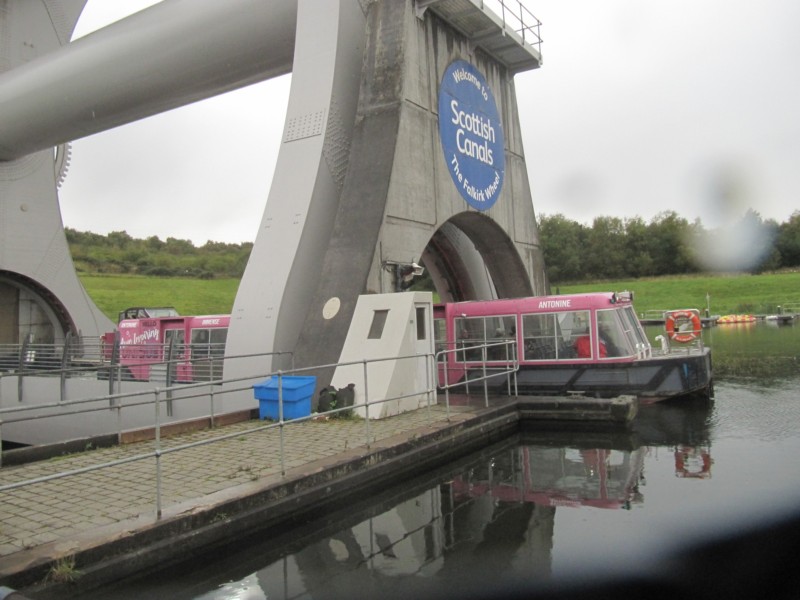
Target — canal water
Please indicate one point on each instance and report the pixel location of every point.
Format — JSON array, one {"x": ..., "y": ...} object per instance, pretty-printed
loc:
[{"x": 545, "y": 506}]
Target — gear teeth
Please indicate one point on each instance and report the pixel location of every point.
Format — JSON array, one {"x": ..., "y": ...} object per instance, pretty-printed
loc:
[{"x": 62, "y": 161}]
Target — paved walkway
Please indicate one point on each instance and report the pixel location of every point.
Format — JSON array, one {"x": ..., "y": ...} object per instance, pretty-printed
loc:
[{"x": 63, "y": 509}]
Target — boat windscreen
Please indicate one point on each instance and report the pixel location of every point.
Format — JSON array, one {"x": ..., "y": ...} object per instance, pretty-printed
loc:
[
  {"x": 633, "y": 329},
  {"x": 614, "y": 341}
]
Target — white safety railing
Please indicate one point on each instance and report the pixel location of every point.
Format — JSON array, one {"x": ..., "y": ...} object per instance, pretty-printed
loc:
[
  {"x": 211, "y": 391},
  {"x": 519, "y": 19},
  {"x": 166, "y": 364},
  {"x": 503, "y": 361}
]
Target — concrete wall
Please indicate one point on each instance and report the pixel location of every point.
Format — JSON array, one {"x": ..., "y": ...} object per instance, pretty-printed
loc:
[
  {"x": 422, "y": 197},
  {"x": 361, "y": 181},
  {"x": 34, "y": 255},
  {"x": 398, "y": 195}
]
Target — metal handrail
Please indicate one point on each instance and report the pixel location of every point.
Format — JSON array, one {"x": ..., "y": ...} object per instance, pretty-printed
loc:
[
  {"x": 511, "y": 362},
  {"x": 158, "y": 393},
  {"x": 789, "y": 308},
  {"x": 158, "y": 452},
  {"x": 61, "y": 360},
  {"x": 516, "y": 16}
]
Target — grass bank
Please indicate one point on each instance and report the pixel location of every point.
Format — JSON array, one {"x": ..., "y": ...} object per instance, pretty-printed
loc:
[
  {"x": 722, "y": 294},
  {"x": 113, "y": 293}
]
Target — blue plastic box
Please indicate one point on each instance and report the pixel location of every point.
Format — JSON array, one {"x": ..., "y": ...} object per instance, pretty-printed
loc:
[{"x": 297, "y": 393}]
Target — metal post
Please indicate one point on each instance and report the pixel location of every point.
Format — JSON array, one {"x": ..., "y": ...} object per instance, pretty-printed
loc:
[
  {"x": 158, "y": 417},
  {"x": 508, "y": 367},
  {"x": 485, "y": 384},
  {"x": 158, "y": 484},
  {"x": 171, "y": 377},
  {"x": 516, "y": 370},
  {"x": 115, "y": 354},
  {"x": 280, "y": 421},
  {"x": 64, "y": 355},
  {"x": 466, "y": 370},
  {"x": 447, "y": 385},
  {"x": 23, "y": 353},
  {"x": 366, "y": 403},
  {"x": 491, "y": 476},
  {"x": 118, "y": 406},
  {"x": 158, "y": 453},
  {"x": 211, "y": 396},
  {"x": 428, "y": 378}
]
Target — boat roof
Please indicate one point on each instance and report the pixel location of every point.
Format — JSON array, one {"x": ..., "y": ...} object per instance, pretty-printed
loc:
[
  {"x": 148, "y": 312},
  {"x": 583, "y": 301}
]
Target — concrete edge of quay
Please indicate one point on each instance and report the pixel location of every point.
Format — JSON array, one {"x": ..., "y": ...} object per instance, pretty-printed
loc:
[
  {"x": 123, "y": 549},
  {"x": 187, "y": 529}
]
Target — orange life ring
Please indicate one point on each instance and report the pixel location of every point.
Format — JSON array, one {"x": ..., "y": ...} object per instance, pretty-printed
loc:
[{"x": 676, "y": 318}]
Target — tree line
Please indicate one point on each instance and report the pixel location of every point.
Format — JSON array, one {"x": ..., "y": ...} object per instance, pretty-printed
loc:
[
  {"x": 610, "y": 248},
  {"x": 119, "y": 253},
  {"x": 614, "y": 248}
]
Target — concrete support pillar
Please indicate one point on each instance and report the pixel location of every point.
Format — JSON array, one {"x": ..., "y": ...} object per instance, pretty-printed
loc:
[
  {"x": 35, "y": 263},
  {"x": 400, "y": 204},
  {"x": 384, "y": 95}
]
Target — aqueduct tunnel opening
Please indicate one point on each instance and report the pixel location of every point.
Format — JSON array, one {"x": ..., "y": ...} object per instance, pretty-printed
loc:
[
  {"x": 29, "y": 312},
  {"x": 471, "y": 258}
]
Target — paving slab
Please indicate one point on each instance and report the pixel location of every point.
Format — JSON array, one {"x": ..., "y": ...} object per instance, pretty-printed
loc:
[
  {"x": 153, "y": 500},
  {"x": 151, "y": 481}
]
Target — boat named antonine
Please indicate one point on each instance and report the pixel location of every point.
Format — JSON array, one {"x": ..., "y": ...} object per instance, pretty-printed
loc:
[{"x": 590, "y": 344}]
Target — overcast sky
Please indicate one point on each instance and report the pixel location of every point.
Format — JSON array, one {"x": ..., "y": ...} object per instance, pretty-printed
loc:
[{"x": 640, "y": 107}]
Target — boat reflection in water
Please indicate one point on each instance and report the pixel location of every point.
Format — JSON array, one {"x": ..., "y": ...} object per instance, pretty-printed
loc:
[
  {"x": 491, "y": 522},
  {"x": 693, "y": 462},
  {"x": 596, "y": 477},
  {"x": 521, "y": 515},
  {"x": 479, "y": 525},
  {"x": 491, "y": 525}
]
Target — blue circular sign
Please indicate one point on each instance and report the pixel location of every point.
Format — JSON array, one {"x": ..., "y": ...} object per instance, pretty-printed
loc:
[{"x": 471, "y": 135}]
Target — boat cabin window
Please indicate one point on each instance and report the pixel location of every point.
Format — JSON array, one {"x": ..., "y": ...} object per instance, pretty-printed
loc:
[
  {"x": 174, "y": 334},
  {"x": 208, "y": 350},
  {"x": 472, "y": 333},
  {"x": 614, "y": 341},
  {"x": 209, "y": 342},
  {"x": 556, "y": 336}
]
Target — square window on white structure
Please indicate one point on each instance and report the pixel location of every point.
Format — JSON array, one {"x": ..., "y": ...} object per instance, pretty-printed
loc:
[
  {"x": 421, "y": 324},
  {"x": 378, "y": 323}
]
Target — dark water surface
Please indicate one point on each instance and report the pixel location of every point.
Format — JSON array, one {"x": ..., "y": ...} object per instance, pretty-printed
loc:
[{"x": 544, "y": 506}]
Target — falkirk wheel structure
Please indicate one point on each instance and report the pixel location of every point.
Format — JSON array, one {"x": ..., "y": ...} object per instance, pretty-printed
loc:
[{"x": 401, "y": 147}]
